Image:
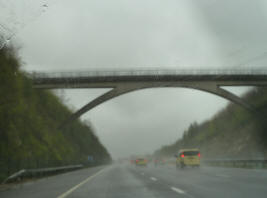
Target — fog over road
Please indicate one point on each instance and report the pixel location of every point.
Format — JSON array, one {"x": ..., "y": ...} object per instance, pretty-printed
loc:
[
  {"x": 123, "y": 180},
  {"x": 82, "y": 35}
]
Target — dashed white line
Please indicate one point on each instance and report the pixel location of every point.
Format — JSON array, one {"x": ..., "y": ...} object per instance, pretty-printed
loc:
[
  {"x": 178, "y": 190},
  {"x": 153, "y": 178}
]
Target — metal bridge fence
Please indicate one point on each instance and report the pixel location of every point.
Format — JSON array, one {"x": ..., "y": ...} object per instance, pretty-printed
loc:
[{"x": 145, "y": 72}]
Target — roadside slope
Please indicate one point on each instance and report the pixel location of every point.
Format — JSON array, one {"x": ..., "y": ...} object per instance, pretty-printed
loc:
[
  {"x": 29, "y": 120},
  {"x": 231, "y": 133}
]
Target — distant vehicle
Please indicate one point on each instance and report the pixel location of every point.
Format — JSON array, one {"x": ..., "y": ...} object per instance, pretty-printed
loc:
[
  {"x": 141, "y": 162},
  {"x": 188, "y": 157},
  {"x": 159, "y": 161}
]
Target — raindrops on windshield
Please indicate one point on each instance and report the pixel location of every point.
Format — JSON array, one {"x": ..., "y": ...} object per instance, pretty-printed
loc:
[{"x": 15, "y": 15}]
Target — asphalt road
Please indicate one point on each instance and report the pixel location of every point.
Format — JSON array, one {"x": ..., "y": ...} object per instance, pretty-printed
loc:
[{"x": 127, "y": 181}]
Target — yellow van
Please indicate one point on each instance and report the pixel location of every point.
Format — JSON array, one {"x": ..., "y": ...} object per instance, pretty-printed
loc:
[
  {"x": 141, "y": 162},
  {"x": 188, "y": 157}
]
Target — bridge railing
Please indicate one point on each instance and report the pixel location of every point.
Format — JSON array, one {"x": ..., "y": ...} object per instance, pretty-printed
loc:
[{"x": 146, "y": 72}]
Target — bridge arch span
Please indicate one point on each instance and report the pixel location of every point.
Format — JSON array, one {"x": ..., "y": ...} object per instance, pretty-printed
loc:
[{"x": 122, "y": 89}]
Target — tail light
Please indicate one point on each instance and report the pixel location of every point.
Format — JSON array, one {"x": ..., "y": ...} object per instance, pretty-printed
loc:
[
  {"x": 182, "y": 156},
  {"x": 136, "y": 161},
  {"x": 199, "y": 155}
]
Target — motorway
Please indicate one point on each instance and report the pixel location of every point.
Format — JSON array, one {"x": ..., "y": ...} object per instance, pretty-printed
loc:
[{"x": 127, "y": 181}]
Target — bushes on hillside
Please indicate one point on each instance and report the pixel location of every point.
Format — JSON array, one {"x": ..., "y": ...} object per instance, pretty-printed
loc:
[
  {"x": 231, "y": 133},
  {"x": 29, "y": 120}
]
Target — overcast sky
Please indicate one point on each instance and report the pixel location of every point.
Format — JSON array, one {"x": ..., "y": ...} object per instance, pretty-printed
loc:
[{"x": 187, "y": 34}]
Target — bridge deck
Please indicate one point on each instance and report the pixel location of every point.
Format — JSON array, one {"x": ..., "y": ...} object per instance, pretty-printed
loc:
[
  {"x": 124, "y": 82},
  {"x": 145, "y": 72},
  {"x": 97, "y": 77}
]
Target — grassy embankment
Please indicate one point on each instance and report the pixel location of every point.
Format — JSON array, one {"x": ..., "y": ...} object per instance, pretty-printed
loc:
[
  {"x": 232, "y": 133},
  {"x": 29, "y": 120}
]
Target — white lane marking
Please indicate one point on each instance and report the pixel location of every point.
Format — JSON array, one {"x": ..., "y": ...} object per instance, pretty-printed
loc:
[
  {"x": 82, "y": 183},
  {"x": 178, "y": 190},
  {"x": 221, "y": 175},
  {"x": 153, "y": 178}
]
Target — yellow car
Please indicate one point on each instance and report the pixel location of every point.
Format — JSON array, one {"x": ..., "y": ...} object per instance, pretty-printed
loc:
[
  {"x": 141, "y": 162},
  {"x": 188, "y": 157}
]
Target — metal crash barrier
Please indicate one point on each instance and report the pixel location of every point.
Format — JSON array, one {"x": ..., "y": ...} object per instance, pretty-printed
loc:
[
  {"x": 41, "y": 172},
  {"x": 241, "y": 163}
]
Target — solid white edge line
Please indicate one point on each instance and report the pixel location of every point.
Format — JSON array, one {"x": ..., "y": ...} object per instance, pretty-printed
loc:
[
  {"x": 178, "y": 190},
  {"x": 82, "y": 183},
  {"x": 153, "y": 178}
]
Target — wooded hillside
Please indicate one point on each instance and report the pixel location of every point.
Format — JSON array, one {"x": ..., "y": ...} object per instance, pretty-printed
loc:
[
  {"x": 231, "y": 133},
  {"x": 29, "y": 120}
]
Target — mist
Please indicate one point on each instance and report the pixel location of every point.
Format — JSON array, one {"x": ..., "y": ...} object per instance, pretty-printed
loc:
[{"x": 80, "y": 35}]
